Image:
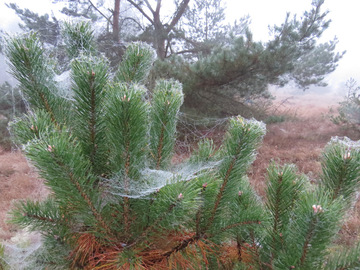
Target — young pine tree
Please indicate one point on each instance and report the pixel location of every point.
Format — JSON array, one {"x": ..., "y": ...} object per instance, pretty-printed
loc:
[{"x": 116, "y": 200}]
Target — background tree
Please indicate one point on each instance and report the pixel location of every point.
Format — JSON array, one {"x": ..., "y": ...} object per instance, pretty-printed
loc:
[
  {"x": 47, "y": 26},
  {"x": 349, "y": 109},
  {"x": 158, "y": 31},
  {"x": 220, "y": 65},
  {"x": 243, "y": 68},
  {"x": 203, "y": 28}
]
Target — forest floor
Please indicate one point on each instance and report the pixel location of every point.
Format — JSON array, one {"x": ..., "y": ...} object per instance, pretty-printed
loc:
[{"x": 299, "y": 139}]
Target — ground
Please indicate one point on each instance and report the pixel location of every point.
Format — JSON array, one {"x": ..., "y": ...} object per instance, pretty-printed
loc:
[{"x": 298, "y": 140}]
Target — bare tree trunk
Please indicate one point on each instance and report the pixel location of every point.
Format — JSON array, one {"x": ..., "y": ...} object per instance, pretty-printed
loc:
[
  {"x": 116, "y": 15},
  {"x": 159, "y": 32}
]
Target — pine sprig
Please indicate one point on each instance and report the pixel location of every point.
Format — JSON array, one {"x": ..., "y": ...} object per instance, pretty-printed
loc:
[
  {"x": 283, "y": 191},
  {"x": 136, "y": 64},
  {"x": 340, "y": 168},
  {"x": 43, "y": 216},
  {"x": 78, "y": 38},
  {"x": 240, "y": 143},
  {"x": 312, "y": 230},
  {"x": 90, "y": 78},
  {"x": 165, "y": 105},
  {"x": 68, "y": 175},
  {"x": 127, "y": 122},
  {"x": 32, "y": 127},
  {"x": 30, "y": 66}
]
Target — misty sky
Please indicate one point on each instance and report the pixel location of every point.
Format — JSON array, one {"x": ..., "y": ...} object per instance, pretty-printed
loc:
[{"x": 344, "y": 16}]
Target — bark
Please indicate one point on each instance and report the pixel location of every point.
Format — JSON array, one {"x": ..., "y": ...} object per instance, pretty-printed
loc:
[{"x": 116, "y": 17}]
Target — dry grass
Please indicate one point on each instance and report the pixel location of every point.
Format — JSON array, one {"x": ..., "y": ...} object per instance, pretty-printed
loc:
[
  {"x": 299, "y": 142},
  {"x": 17, "y": 181}
]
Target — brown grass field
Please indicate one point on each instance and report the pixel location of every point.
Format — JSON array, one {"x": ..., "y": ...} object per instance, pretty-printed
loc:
[{"x": 298, "y": 140}]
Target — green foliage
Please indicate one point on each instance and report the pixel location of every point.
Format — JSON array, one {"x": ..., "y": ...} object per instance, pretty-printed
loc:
[
  {"x": 35, "y": 75},
  {"x": 89, "y": 76},
  {"x": 283, "y": 192},
  {"x": 78, "y": 38},
  {"x": 349, "y": 110},
  {"x": 118, "y": 202},
  {"x": 240, "y": 67},
  {"x": 127, "y": 134},
  {"x": 307, "y": 237},
  {"x": 348, "y": 258},
  {"x": 166, "y": 100},
  {"x": 136, "y": 64},
  {"x": 3, "y": 264},
  {"x": 341, "y": 166}
]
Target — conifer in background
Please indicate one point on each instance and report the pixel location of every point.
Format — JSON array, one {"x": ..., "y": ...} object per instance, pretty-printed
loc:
[{"x": 116, "y": 200}]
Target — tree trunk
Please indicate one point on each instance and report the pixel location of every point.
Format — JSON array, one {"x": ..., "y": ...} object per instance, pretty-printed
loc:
[
  {"x": 116, "y": 15},
  {"x": 159, "y": 38}
]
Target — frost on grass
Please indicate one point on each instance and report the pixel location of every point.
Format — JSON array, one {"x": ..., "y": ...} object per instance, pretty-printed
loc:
[{"x": 345, "y": 142}]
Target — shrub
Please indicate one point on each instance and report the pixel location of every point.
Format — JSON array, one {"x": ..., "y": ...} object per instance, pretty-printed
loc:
[
  {"x": 118, "y": 202},
  {"x": 349, "y": 109}
]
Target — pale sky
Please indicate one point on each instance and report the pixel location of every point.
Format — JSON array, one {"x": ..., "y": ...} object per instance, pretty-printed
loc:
[{"x": 344, "y": 16}]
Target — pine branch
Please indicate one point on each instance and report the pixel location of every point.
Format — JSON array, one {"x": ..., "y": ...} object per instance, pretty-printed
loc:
[
  {"x": 242, "y": 139},
  {"x": 341, "y": 180},
  {"x": 308, "y": 238},
  {"x": 83, "y": 194},
  {"x": 28, "y": 66},
  {"x": 160, "y": 146},
  {"x": 32, "y": 127},
  {"x": 149, "y": 6},
  {"x": 345, "y": 259},
  {"x": 221, "y": 192},
  {"x": 181, "y": 246},
  {"x": 136, "y": 63},
  {"x": 153, "y": 226},
  {"x": 317, "y": 221},
  {"x": 179, "y": 12},
  {"x": 42, "y": 216},
  {"x": 126, "y": 114},
  {"x": 340, "y": 167},
  {"x": 256, "y": 253},
  {"x": 78, "y": 38},
  {"x": 166, "y": 101},
  {"x": 282, "y": 193},
  {"x": 90, "y": 78}
]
